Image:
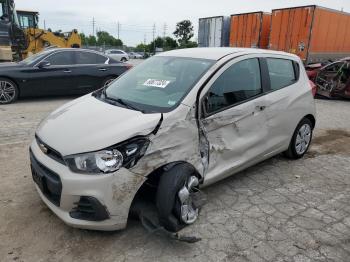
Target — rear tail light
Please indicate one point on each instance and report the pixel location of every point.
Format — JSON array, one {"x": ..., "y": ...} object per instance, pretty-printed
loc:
[{"x": 313, "y": 88}]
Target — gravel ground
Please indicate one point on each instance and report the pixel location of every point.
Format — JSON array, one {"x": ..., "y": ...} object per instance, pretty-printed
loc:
[{"x": 279, "y": 210}]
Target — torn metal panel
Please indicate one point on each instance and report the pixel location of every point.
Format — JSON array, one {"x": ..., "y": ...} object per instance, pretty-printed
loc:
[
  {"x": 234, "y": 136},
  {"x": 334, "y": 80},
  {"x": 176, "y": 140}
]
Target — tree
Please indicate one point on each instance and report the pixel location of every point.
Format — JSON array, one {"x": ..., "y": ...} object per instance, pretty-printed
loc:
[
  {"x": 157, "y": 43},
  {"x": 104, "y": 38},
  {"x": 169, "y": 43},
  {"x": 83, "y": 39},
  {"x": 91, "y": 40},
  {"x": 142, "y": 48},
  {"x": 184, "y": 32}
]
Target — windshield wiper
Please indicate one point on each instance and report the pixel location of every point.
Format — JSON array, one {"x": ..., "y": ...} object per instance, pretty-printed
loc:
[{"x": 121, "y": 101}]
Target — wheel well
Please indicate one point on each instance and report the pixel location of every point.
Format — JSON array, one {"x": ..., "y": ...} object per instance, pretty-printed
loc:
[
  {"x": 312, "y": 119},
  {"x": 149, "y": 188}
]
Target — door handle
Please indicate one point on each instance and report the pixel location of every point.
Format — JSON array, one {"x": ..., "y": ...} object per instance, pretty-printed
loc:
[
  {"x": 67, "y": 71},
  {"x": 102, "y": 69}
]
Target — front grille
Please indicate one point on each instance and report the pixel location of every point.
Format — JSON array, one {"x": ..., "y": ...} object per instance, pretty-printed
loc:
[
  {"x": 89, "y": 208},
  {"x": 48, "y": 181},
  {"x": 52, "y": 153}
]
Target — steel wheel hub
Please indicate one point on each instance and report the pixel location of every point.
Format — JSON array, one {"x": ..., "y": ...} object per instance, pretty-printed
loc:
[
  {"x": 189, "y": 213},
  {"x": 303, "y": 139},
  {"x": 7, "y": 91}
]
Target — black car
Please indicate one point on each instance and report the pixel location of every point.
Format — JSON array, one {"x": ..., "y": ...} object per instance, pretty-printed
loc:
[{"x": 58, "y": 71}]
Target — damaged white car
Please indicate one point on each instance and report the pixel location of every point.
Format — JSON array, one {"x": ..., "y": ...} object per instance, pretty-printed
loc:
[{"x": 179, "y": 121}]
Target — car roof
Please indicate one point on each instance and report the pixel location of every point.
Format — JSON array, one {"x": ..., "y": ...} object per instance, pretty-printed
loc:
[
  {"x": 70, "y": 49},
  {"x": 216, "y": 53},
  {"x": 115, "y": 50}
]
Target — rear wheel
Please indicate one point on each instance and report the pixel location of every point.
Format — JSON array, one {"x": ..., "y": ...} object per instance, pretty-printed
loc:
[
  {"x": 174, "y": 199},
  {"x": 8, "y": 91},
  {"x": 301, "y": 140},
  {"x": 108, "y": 80}
]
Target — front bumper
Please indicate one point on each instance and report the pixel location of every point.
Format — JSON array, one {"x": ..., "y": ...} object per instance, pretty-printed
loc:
[{"x": 114, "y": 191}]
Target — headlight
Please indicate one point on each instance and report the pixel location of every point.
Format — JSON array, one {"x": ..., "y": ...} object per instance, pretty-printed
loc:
[{"x": 111, "y": 159}]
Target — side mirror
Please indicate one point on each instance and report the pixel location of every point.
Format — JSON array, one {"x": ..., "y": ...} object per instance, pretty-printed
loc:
[{"x": 43, "y": 64}]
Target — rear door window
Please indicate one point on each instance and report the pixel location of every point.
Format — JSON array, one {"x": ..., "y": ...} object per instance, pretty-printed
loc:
[
  {"x": 87, "y": 58},
  {"x": 61, "y": 58},
  {"x": 282, "y": 73}
]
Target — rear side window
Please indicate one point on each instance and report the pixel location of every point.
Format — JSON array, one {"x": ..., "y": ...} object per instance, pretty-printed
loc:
[
  {"x": 238, "y": 83},
  {"x": 115, "y": 52},
  {"x": 282, "y": 72},
  {"x": 61, "y": 58},
  {"x": 87, "y": 58}
]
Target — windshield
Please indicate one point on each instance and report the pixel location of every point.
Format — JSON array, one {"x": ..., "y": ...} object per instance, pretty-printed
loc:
[
  {"x": 35, "y": 58},
  {"x": 159, "y": 83}
]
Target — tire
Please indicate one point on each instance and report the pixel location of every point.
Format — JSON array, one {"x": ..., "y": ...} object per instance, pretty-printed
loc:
[
  {"x": 123, "y": 59},
  {"x": 8, "y": 91},
  {"x": 297, "y": 149},
  {"x": 167, "y": 199},
  {"x": 108, "y": 80}
]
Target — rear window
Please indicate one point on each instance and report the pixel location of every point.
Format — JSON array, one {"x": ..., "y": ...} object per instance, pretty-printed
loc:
[
  {"x": 89, "y": 58},
  {"x": 282, "y": 73}
]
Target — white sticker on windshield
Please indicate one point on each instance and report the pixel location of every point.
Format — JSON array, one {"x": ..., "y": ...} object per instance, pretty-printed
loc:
[
  {"x": 171, "y": 103},
  {"x": 156, "y": 83}
]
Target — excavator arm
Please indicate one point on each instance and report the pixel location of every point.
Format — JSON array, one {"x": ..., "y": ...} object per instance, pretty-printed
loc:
[{"x": 40, "y": 39}]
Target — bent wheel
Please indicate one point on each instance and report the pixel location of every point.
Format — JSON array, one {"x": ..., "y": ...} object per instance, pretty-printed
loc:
[{"x": 174, "y": 199}]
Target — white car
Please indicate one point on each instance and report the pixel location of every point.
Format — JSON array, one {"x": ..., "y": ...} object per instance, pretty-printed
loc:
[
  {"x": 179, "y": 121},
  {"x": 134, "y": 55},
  {"x": 117, "y": 54}
]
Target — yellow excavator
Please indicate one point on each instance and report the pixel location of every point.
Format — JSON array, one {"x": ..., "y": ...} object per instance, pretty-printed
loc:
[
  {"x": 39, "y": 39},
  {"x": 20, "y": 36}
]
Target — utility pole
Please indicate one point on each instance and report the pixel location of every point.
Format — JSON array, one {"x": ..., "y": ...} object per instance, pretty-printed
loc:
[
  {"x": 118, "y": 29},
  {"x": 93, "y": 26},
  {"x": 144, "y": 39},
  {"x": 154, "y": 42},
  {"x": 164, "y": 35},
  {"x": 165, "y": 28},
  {"x": 44, "y": 24}
]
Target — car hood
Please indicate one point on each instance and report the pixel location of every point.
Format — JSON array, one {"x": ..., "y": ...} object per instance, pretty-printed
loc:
[{"x": 88, "y": 124}]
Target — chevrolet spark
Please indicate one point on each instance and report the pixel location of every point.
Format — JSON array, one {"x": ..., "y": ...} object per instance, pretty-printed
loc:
[{"x": 179, "y": 121}]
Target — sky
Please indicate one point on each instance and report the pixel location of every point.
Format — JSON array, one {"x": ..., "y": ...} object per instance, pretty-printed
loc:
[{"x": 136, "y": 18}]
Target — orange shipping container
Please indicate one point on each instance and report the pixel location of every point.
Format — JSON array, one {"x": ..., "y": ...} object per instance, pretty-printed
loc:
[
  {"x": 312, "y": 32},
  {"x": 250, "y": 30}
]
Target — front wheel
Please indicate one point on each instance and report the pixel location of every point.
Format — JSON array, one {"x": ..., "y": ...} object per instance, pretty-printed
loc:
[
  {"x": 8, "y": 91},
  {"x": 301, "y": 140},
  {"x": 123, "y": 59},
  {"x": 174, "y": 200}
]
